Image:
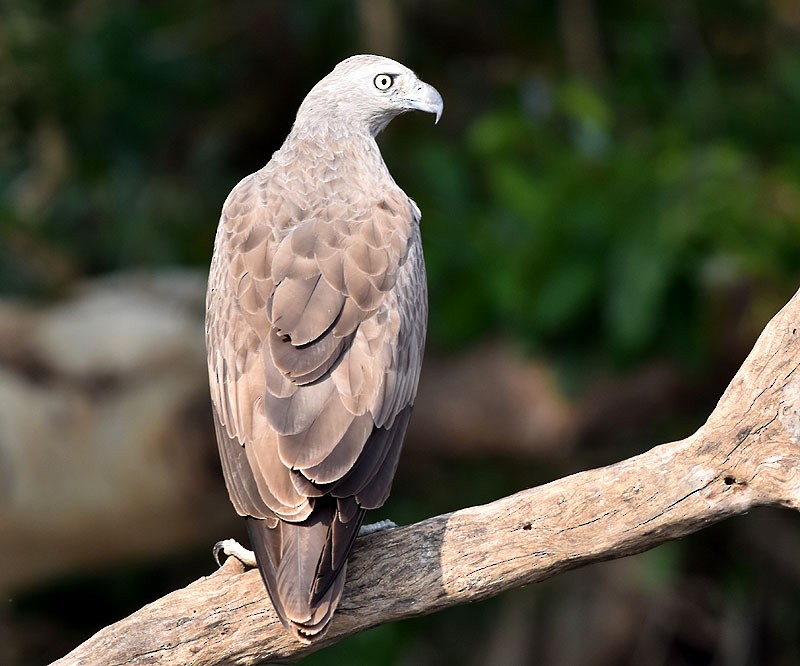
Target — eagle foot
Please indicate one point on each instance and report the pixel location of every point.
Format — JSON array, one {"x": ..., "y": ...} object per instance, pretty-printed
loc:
[
  {"x": 376, "y": 527},
  {"x": 232, "y": 548}
]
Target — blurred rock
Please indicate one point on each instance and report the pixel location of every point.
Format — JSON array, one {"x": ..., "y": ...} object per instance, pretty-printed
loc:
[
  {"x": 105, "y": 432},
  {"x": 492, "y": 398}
]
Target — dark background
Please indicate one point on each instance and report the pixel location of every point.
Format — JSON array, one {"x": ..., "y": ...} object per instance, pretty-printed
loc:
[{"x": 612, "y": 185}]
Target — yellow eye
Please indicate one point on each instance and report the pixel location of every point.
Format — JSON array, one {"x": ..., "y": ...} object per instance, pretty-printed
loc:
[{"x": 383, "y": 81}]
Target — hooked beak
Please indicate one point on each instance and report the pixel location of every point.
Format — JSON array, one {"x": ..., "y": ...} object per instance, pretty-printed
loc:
[{"x": 426, "y": 98}]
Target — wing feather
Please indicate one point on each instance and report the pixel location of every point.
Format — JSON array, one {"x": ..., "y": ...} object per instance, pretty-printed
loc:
[
  {"x": 303, "y": 365},
  {"x": 311, "y": 445},
  {"x": 296, "y": 413},
  {"x": 304, "y": 308},
  {"x": 344, "y": 455}
]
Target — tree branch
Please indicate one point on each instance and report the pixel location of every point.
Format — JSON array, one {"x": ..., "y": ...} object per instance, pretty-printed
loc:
[{"x": 747, "y": 454}]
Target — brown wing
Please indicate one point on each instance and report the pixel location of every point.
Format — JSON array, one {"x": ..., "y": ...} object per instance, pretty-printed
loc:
[{"x": 315, "y": 327}]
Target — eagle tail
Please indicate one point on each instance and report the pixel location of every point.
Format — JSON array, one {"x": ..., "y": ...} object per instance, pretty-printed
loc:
[{"x": 303, "y": 564}]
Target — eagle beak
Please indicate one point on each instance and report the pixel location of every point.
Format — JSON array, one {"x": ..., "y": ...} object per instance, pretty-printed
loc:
[{"x": 426, "y": 98}]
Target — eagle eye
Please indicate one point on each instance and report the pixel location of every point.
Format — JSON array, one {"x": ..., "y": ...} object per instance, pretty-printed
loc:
[{"x": 383, "y": 81}]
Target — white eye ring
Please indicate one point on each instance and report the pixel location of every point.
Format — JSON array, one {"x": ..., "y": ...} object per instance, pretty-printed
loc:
[{"x": 383, "y": 81}]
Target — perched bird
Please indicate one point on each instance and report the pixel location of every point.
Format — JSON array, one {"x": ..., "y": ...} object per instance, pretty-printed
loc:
[{"x": 316, "y": 314}]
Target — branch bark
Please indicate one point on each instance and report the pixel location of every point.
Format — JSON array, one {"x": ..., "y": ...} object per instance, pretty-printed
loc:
[{"x": 747, "y": 454}]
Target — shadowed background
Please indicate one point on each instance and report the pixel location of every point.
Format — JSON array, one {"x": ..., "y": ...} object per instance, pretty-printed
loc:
[{"x": 611, "y": 213}]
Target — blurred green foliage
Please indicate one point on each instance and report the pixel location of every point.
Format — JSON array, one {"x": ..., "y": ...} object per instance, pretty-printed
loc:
[
  {"x": 584, "y": 224},
  {"x": 606, "y": 216},
  {"x": 121, "y": 127}
]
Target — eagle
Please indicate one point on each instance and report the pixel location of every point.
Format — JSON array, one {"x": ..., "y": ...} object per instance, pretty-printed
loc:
[{"x": 316, "y": 314}]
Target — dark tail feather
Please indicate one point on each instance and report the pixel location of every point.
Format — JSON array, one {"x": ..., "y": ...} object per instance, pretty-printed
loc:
[{"x": 303, "y": 564}]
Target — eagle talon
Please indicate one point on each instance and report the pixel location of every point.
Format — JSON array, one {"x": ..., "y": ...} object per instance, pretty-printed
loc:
[
  {"x": 232, "y": 548},
  {"x": 376, "y": 527}
]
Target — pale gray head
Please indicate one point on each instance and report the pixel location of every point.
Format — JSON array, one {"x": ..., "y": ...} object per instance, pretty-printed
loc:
[{"x": 363, "y": 93}]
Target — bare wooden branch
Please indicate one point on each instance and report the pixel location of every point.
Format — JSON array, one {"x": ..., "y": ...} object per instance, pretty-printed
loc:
[{"x": 747, "y": 454}]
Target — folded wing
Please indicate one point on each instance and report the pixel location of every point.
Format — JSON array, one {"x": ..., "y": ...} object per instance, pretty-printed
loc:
[{"x": 315, "y": 330}]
